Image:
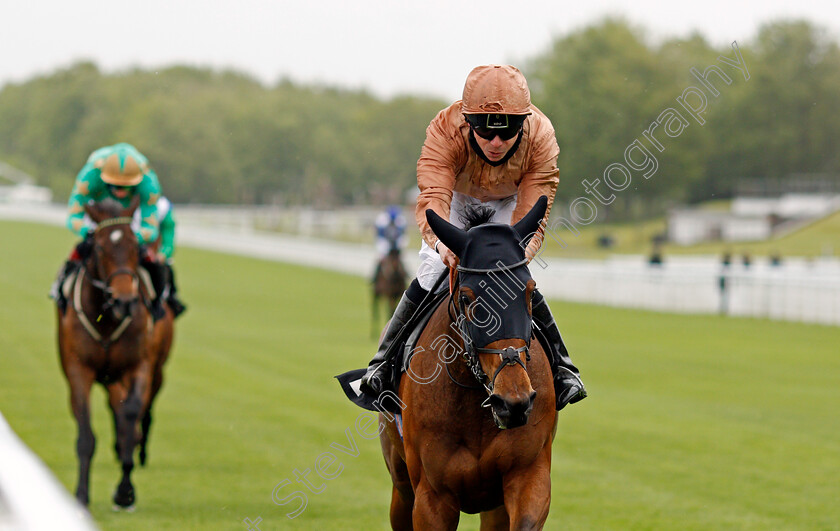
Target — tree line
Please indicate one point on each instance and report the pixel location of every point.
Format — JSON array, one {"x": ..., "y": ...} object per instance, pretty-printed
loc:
[{"x": 223, "y": 137}]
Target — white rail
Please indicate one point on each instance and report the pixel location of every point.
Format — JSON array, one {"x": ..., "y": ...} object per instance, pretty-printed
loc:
[
  {"x": 31, "y": 499},
  {"x": 798, "y": 290}
]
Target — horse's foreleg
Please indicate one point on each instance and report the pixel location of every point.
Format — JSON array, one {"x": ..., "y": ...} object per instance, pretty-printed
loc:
[
  {"x": 495, "y": 520},
  {"x": 402, "y": 496},
  {"x": 126, "y": 399},
  {"x": 400, "y": 511},
  {"x": 528, "y": 493},
  {"x": 161, "y": 347},
  {"x": 145, "y": 426},
  {"x": 81, "y": 381},
  {"x": 146, "y": 422},
  {"x": 433, "y": 510}
]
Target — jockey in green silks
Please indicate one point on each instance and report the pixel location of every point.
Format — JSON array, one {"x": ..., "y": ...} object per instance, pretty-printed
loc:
[{"x": 119, "y": 172}]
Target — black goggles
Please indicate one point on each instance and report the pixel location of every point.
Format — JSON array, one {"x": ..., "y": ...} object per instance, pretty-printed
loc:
[{"x": 489, "y": 126}]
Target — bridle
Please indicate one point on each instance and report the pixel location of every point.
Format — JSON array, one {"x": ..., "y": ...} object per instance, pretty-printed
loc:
[
  {"x": 105, "y": 287},
  {"x": 509, "y": 355}
]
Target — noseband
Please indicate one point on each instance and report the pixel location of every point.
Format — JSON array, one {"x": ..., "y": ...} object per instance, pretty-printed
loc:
[
  {"x": 105, "y": 285},
  {"x": 508, "y": 355}
]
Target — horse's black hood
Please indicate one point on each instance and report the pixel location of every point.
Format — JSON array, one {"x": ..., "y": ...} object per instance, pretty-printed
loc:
[
  {"x": 500, "y": 308},
  {"x": 493, "y": 268}
]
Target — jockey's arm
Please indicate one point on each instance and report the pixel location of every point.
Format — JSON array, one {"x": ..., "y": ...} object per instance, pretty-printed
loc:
[
  {"x": 541, "y": 178},
  {"x": 149, "y": 192},
  {"x": 167, "y": 236},
  {"x": 83, "y": 191}
]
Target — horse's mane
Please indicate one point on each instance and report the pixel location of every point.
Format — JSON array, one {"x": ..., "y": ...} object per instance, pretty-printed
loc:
[
  {"x": 475, "y": 215},
  {"x": 109, "y": 206}
]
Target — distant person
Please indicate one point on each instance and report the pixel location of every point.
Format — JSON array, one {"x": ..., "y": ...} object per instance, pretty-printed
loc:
[
  {"x": 775, "y": 259},
  {"x": 746, "y": 260},
  {"x": 493, "y": 148},
  {"x": 390, "y": 231},
  {"x": 119, "y": 172},
  {"x": 656, "y": 256},
  {"x": 605, "y": 241},
  {"x": 723, "y": 281},
  {"x": 390, "y": 236}
]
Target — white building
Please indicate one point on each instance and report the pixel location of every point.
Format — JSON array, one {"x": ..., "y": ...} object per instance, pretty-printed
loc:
[
  {"x": 25, "y": 193},
  {"x": 23, "y": 189},
  {"x": 750, "y": 218}
]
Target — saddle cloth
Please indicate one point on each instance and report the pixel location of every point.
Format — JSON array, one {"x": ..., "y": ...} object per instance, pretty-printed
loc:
[{"x": 405, "y": 343}]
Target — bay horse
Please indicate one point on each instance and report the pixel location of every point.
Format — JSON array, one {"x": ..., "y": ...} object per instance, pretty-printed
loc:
[
  {"x": 477, "y": 407},
  {"x": 107, "y": 335},
  {"x": 389, "y": 283}
]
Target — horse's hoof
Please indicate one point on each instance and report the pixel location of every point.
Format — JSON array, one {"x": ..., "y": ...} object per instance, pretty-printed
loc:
[
  {"x": 119, "y": 508},
  {"x": 124, "y": 499}
]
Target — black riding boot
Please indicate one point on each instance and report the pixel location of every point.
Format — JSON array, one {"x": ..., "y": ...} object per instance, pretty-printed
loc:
[
  {"x": 172, "y": 294},
  {"x": 56, "y": 290},
  {"x": 157, "y": 273},
  {"x": 568, "y": 387},
  {"x": 380, "y": 376}
]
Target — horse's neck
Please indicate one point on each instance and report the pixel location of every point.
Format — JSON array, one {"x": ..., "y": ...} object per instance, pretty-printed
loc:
[
  {"x": 457, "y": 368},
  {"x": 89, "y": 275},
  {"x": 90, "y": 299}
]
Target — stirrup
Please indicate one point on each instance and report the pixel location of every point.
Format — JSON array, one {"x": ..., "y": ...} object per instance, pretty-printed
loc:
[
  {"x": 157, "y": 310},
  {"x": 373, "y": 382},
  {"x": 176, "y": 306},
  {"x": 568, "y": 394}
]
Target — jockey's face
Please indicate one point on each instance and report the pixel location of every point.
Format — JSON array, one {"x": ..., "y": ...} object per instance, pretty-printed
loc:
[
  {"x": 496, "y": 148},
  {"x": 120, "y": 192}
]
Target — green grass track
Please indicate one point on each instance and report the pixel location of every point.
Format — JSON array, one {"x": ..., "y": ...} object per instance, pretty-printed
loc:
[{"x": 693, "y": 422}]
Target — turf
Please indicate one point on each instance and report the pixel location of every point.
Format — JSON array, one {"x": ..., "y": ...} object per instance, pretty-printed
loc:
[{"x": 694, "y": 422}]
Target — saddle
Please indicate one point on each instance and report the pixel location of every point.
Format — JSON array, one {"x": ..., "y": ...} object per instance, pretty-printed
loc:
[
  {"x": 67, "y": 286},
  {"x": 406, "y": 343}
]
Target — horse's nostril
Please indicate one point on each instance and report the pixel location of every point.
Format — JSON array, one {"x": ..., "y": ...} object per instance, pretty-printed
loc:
[
  {"x": 124, "y": 306},
  {"x": 497, "y": 402},
  {"x": 532, "y": 398}
]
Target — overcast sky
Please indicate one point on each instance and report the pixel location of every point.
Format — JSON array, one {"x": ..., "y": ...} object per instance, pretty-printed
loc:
[{"x": 389, "y": 47}]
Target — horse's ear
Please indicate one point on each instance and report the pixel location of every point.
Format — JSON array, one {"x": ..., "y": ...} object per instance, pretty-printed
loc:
[
  {"x": 135, "y": 202},
  {"x": 449, "y": 234},
  {"x": 528, "y": 225}
]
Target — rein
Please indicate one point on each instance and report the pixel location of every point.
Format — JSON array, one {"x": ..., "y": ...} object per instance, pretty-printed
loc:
[
  {"x": 500, "y": 269},
  {"x": 94, "y": 333},
  {"x": 508, "y": 355}
]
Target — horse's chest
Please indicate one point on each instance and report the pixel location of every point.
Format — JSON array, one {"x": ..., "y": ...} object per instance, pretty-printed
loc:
[{"x": 475, "y": 477}]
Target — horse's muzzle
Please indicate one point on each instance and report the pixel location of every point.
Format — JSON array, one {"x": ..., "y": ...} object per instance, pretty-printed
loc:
[
  {"x": 123, "y": 307},
  {"x": 509, "y": 412}
]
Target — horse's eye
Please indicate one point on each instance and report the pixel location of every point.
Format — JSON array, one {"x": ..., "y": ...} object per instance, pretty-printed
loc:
[{"x": 466, "y": 295}]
